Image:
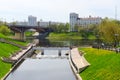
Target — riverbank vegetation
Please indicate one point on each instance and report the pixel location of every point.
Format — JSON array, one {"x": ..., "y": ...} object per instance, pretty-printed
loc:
[
  {"x": 62, "y": 36},
  {"x": 29, "y": 33},
  {"x": 69, "y": 35},
  {"x": 61, "y": 31},
  {"x": 108, "y": 31},
  {"x": 104, "y": 65},
  {"x": 7, "y": 50}
]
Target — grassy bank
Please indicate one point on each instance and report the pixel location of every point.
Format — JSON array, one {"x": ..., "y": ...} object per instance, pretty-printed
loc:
[
  {"x": 105, "y": 65},
  {"x": 69, "y": 35},
  {"x": 29, "y": 33},
  {"x": 5, "y": 51},
  {"x": 12, "y": 40}
]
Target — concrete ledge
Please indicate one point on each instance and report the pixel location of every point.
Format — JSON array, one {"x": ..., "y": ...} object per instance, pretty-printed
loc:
[
  {"x": 78, "y": 77},
  {"x": 79, "y": 62}
]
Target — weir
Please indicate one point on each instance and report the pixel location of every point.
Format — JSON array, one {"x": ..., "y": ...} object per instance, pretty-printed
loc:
[{"x": 42, "y": 68}]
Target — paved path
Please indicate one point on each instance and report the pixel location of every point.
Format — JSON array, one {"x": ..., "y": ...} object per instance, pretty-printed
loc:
[
  {"x": 79, "y": 60},
  {"x": 19, "y": 54}
]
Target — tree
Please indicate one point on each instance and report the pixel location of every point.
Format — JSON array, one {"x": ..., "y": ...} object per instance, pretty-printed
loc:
[
  {"x": 107, "y": 29},
  {"x": 4, "y": 30},
  {"x": 66, "y": 27},
  {"x": 60, "y": 27}
]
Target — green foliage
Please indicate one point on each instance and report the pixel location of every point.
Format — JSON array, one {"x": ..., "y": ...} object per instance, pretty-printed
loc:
[
  {"x": 104, "y": 65},
  {"x": 29, "y": 33},
  {"x": 4, "y": 30},
  {"x": 58, "y": 28},
  {"x": 12, "y": 40},
  {"x": 86, "y": 32},
  {"x": 2, "y": 36},
  {"x": 69, "y": 35},
  {"x": 5, "y": 51},
  {"x": 108, "y": 28},
  {"x": 23, "y": 43}
]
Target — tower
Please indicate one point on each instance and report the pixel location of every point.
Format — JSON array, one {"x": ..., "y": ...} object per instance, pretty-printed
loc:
[{"x": 73, "y": 20}]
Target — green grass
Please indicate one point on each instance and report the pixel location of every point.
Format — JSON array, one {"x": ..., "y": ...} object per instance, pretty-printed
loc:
[
  {"x": 91, "y": 37},
  {"x": 70, "y": 35},
  {"x": 12, "y": 40},
  {"x": 3, "y": 36},
  {"x": 23, "y": 43},
  {"x": 5, "y": 51},
  {"x": 29, "y": 33},
  {"x": 105, "y": 65}
]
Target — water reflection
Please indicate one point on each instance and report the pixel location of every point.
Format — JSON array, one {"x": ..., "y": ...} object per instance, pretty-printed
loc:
[{"x": 61, "y": 43}]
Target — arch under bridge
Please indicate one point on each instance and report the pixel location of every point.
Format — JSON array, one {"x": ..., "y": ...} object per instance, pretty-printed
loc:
[{"x": 20, "y": 30}]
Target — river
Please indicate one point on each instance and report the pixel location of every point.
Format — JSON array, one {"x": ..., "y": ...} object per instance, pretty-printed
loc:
[
  {"x": 48, "y": 68},
  {"x": 63, "y": 43}
]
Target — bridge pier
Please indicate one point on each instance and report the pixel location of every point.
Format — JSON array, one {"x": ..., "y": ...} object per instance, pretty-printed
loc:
[
  {"x": 20, "y": 36},
  {"x": 20, "y": 29}
]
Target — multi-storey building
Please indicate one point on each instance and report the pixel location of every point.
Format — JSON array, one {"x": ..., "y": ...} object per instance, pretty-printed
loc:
[
  {"x": 32, "y": 21},
  {"x": 83, "y": 22}
]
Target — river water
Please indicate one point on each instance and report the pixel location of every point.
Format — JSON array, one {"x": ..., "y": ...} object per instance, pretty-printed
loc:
[
  {"x": 48, "y": 68},
  {"x": 62, "y": 43},
  {"x": 43, "y": 69}
]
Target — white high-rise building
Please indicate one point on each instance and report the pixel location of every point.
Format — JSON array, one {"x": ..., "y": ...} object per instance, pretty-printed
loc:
[
  {"x": 83, "y": 22},
  {"x": 73, "y": 20},
  {"x": 32, "y": 21}
]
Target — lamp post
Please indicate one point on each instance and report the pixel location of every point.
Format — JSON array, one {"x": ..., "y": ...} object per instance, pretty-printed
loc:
[
  {"x": 116, "y": 43},
  {"x": 97, "y": 36},
  {"x": 116, "y": 39}
]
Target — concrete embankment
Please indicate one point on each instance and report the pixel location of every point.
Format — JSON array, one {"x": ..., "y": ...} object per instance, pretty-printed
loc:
[
  {"x": 19, "y": 57},
  {"x": 78, "y": 62}
]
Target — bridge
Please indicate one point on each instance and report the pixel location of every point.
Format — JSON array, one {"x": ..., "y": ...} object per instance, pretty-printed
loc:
[{"x": 20, "y": 30}]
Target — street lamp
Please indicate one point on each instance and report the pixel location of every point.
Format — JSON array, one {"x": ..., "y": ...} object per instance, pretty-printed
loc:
[
  {"x": 116, "y": 43},
  {"x": 97, "y": 36},
  {"x": 116, "y": 39}
]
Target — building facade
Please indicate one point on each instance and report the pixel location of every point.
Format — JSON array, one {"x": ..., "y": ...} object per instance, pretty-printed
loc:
[
  {"x": 32, "y": 21},
  {"x": 83, "y": 22}
]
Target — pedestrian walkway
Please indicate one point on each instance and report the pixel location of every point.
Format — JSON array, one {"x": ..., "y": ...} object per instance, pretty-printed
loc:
[
  {"x": 78, "y": 60},
  {"x": 19, "y": 54}
]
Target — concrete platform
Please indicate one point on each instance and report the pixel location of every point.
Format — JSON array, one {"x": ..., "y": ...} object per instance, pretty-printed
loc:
[{"x": 79, "y": 61}]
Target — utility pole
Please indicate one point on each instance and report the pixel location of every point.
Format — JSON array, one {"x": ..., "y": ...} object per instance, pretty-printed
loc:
[{"x": 115, "y": 12}]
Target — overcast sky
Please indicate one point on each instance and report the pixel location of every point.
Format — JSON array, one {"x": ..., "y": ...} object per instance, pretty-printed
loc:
[{"x": 56, "y": 10}]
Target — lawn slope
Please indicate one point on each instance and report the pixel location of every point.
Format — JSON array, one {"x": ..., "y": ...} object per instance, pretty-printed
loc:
[
  {"x": 62, "y": 36},
  {"x": 105, "y": 65},
  {"x": 5, "y": 51}
]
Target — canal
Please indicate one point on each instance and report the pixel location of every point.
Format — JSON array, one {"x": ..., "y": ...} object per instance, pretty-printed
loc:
[{"x": 50, "y": 66}]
